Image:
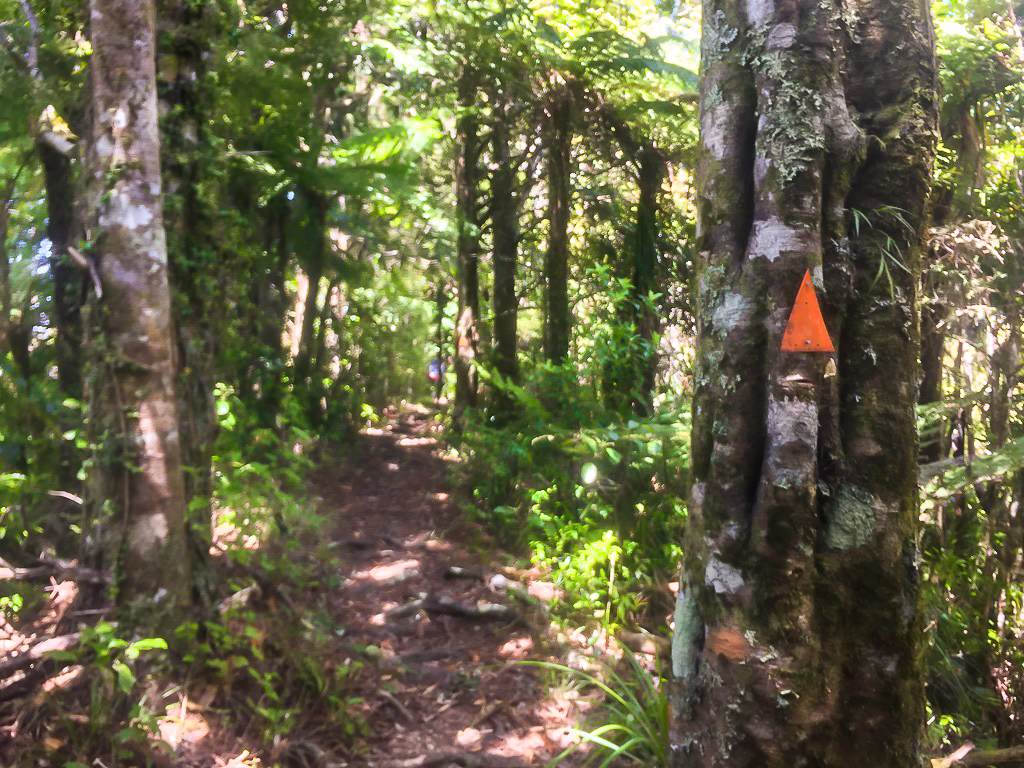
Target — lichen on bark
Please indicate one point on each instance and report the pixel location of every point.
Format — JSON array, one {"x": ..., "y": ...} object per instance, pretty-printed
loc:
[
  {"x": 136, "y": 484},
  {"x": 803, "y": 505}
]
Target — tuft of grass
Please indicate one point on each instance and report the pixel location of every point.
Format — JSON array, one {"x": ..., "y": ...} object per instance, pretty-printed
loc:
[{"x": 632, "y": 722}]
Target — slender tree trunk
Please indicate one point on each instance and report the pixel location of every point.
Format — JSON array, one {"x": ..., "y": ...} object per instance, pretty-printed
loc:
[
  {"x": 270, "y": 303},
  {"x": 67, "y": 279},
  {"x": 505, "y": 219},
  {"x": 133, "y": 413},
  {"x": 315, "y": 262},
  {"x": 796, "y": 629},
  {"x": 645, "y": 265},
  {"x": 933, "y": 313},
  {"x": 558, "y": 319},
  {"x": 14, "y": 334},
  {"x": 441, "y": 302},
  {"x": 6, "y": 315},
  {"x": 467, "y": 177}
]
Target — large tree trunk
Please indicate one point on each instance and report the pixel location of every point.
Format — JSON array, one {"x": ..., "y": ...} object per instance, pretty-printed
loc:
[
  {"x": 558, "y": 319},
  {"x": 189, "y": 226},
  {"x": 796, "y": 628},
  {"x": 467, "y": 177},
  {"x": 137, "y": 480}
]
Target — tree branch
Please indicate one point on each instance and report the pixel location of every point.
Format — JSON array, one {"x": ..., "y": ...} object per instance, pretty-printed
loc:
[{"x": 33, "y": 47}]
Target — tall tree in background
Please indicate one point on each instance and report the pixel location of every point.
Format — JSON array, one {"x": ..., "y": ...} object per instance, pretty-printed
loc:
[
  {"x": 137, "y": 479},
  {"x": 796, "y": 628},
  {"x": 505, "y": 226},
  {"x": 650, "y": 171},
  {"x": 467, "y": 178},
  {"x": 558, "y": 137}
]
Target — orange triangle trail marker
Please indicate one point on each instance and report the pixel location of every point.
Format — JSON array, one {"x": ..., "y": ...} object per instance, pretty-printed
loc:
[{"x": 806, "y": 331}]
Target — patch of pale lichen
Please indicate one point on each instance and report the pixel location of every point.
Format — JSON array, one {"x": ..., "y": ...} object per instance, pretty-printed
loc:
[{"x": 851, "y": 518}]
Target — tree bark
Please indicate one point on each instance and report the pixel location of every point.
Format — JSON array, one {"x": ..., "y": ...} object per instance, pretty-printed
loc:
[
  {"x": 67, "y": 279},
  {"x": 796, "y": 628},
  {"x": 315, "y": 229},
  {"x": 558, "y": 319},
  {"x": 645, "y": 264},
  {"x": 137, "y": 480},
  {"x": 505, "y": 218},
  {"x": 467, "y": 176},
  {"x": 190, "y": 238}
]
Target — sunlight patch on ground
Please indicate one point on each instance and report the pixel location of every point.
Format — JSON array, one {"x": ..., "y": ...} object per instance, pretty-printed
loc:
[
  {"x": 64, "y": 679},
  {"x": 380, "y": 619},
  {"x": 183, "y": 724},
  {"x": 391, "y": 573},
  {"x": 516, "y": 648},
  {"x": 544, "y": 590},
  {"x": 559, "y": 716},
  {"x": 468, "y": 737},
  {"x": 228, "y": 532},
  {"x": 406, "y": 441}
]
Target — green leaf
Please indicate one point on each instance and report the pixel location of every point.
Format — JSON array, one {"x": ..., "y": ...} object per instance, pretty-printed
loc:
[{"x": 125, "y": 677}]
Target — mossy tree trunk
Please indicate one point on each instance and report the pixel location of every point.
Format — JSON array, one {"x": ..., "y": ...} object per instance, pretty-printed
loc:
[
  {"x": 136, "y": 485},
  {"x": 796, "y": 629},
  {"x": 185, "y": 34},
  {"x": 308, "y": 380}
]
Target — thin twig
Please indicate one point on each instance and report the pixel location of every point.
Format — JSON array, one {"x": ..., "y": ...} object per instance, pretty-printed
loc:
[{"x": 390, "y": 698}]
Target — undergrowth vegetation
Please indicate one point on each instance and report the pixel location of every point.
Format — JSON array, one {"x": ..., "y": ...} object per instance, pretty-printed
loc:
[
  {"x": 594, "y": 498},
  {"x": 632, "y": 723},
  {"x": 264, "y": 665}
]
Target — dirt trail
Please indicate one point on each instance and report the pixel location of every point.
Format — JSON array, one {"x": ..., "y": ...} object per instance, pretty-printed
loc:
[{"x": 447, "y": 616}]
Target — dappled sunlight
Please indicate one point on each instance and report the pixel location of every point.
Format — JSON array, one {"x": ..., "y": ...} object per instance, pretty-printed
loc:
[
  {"x": 63, "y": 679},
  {"x": 558, "y": 717},
  {"x": 517, "y": 648},
  {"x": 409, "y": 441},
  {"x": 543, "y": 590},
  {"x": 389, "y": 573},
  {"x": 183, "y": 724},
  {"x": 228, "y": 534}
]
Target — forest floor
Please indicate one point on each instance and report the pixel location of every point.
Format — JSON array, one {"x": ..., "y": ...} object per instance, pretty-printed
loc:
[
  {"x": 388, "y": 588},
  {"x": 450, "y": 616}
]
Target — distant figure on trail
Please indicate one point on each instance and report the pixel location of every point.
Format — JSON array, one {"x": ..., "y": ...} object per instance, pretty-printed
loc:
[{"x": 435, "y": 370}]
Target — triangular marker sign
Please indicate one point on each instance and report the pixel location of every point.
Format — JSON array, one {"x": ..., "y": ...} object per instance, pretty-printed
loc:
[{"x": 806, "y": 331}]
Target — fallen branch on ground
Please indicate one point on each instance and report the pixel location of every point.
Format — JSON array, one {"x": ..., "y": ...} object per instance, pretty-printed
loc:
[
  {"x": 477, "y": 760},
  {"x": 36, "y": 653},
  {"x": 21, "y": 671},
  {"x": 451, "y": 607},
  {"x": 44, "y": 569},
  {"x": 994, "y": 757},
  {"x": 481, "y": 610}
]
